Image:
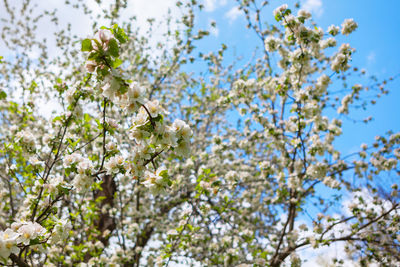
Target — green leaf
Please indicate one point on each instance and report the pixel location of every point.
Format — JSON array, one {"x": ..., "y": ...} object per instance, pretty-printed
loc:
[
  {"x": 87, "y": 117},
  {"x": 123, "y": 89},
  {"x": 93, "y": 56},
  {"x": 58, "y": 118},
  {"x": 116, "y": 63},
  {"x": 119, "y": 33},
  {"x": 113, "y": 48},
  {"x": 34, "y": 241},
  {"x": 3, "y": 95},
  {"x": 64, "y": 190},
  {"x": 164, "y": 173},
  {"x": 33, "y": 86},
  {"x": 216, "y": 183},
  {"x": 87, "y": 45}
]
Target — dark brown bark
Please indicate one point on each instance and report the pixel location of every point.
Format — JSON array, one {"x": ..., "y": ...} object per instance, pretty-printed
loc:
[
  {"x": 17, "y": 260},
  {"x": 105, "y": 221}
]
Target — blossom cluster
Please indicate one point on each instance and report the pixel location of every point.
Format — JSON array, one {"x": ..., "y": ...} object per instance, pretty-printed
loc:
[
  {"x": 342, "y": 58},
  {"x": 20, "y": 233},
  {"x": 149, "y": 129},
  {"x": 83, "y": 167},
  {"x": 58, "y": 161}
]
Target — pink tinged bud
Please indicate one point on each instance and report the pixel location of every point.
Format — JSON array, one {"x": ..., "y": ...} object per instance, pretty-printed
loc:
[
  {"x": 104, "y": 35},
  {"x": 91, "y": 66}
]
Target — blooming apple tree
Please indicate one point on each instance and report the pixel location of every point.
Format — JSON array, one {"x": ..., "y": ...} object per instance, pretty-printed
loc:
[
  {"x": 76, "y": 156},
  {"x": 117, "y": 177}
]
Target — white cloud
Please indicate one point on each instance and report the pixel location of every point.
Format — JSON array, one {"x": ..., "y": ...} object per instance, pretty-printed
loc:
[
  {"x": 81, "y": 27},
  {"x": 368, "y": 200},
  {"x": 323, "y": 256},
  {"x": 371, "y": 58},
  {"x": 214, "y": 31},
  {"x": 233, "y": 14},
  {"x": 211, "y": 5},
  {"x": 314, "y": 6}
]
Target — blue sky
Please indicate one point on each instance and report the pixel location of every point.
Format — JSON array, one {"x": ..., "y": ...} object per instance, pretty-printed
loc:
[
  {"x": 376, "y": 41},
  {"x": 377, "y": 51}
]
